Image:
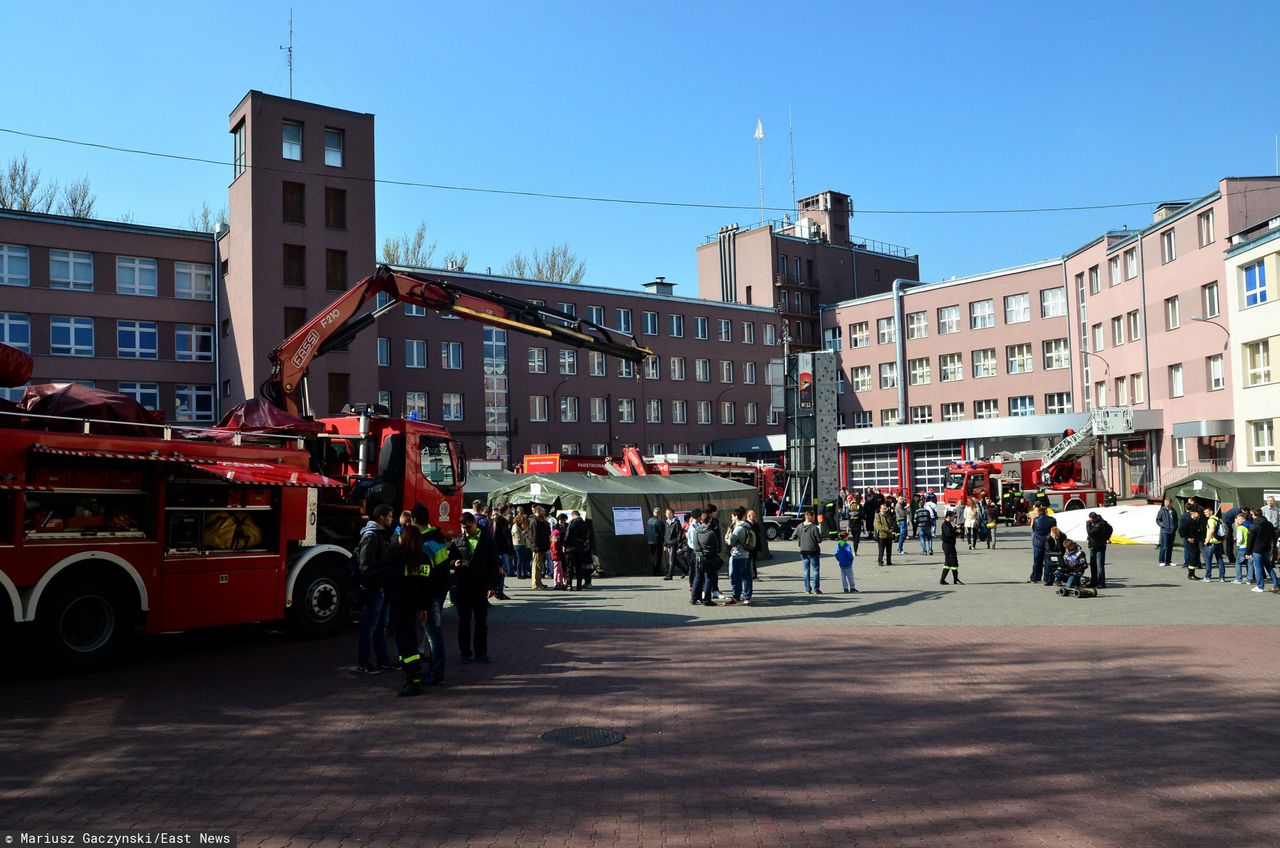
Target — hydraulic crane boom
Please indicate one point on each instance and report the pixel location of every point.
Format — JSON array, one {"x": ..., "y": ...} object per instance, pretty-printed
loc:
[{"x": 342, "y": 320}]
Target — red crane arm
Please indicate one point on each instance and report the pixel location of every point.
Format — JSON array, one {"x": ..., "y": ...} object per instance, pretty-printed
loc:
[{"x": 342, "y": 320}]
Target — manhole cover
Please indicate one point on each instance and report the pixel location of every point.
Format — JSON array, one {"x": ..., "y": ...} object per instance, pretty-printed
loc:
[{"x": 582, "y": 737}]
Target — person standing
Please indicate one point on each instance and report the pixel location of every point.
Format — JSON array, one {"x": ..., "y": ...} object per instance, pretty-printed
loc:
[
  {"x": 475, "y": 565},
  {"x": 1040, "y": 528},
  {"x": 671, "y": 540},
  {"x": 993, "y": 519},
  {"x": 706, "y": 556},
  {"x": 900, "y": 517},
  {"x": 522, "y": 545},
  {"x": 883, "y": 527},
  {"x": 855, "y": 521},
  {"x": 1262, "y": 542},
  {"x": 500, "y": 530},
  {"x": 654, "y": 530},
  {"x": 971, "y": 523},
  {"x": 1271, "y": 512},
  {"x": 540, "y": 541},
  {"x": 1167, "y": 521},
  {"x": 1191, "y": 528},
  {"x": 1215, "y": 536},
  {"x": 439, "y": 578},
  {"x": 576, "y": 551},
  {"x": 1244, "y": 523},
  {"x": 844, "y": 559},
  {"x": 950, "y": 558},
  {"x": 924, "y": 529},
  {"x": 371, "y": 552},
  {"x": 406, "y": 588},
  {"x": 1097, "y": 532},
  {"x": 757, "y": 528},
  {"x": 809, "y": 538},
  {"x": 740, "y": 547}
]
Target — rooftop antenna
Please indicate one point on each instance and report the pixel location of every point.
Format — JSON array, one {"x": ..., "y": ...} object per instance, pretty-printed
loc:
[
  {"x": 791, "y": 142},
  {"x": 760, "y": 164},
  {"x": 289, "y": 52}
]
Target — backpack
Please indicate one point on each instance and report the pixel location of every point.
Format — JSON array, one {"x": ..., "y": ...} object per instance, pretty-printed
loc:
[
  {"x": 1220, "y": 529},
  {"x": 751, "y": 540}
]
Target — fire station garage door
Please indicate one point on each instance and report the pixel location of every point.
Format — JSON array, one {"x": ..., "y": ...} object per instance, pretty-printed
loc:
[
  {"x": 929, "y": 465},
  {"x": 872, "y": 468}
]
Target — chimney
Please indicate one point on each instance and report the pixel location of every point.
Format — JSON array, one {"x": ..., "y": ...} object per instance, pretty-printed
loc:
[
  {"x": 1164, "y": 210},
  {"x": 660, "y": 286}
]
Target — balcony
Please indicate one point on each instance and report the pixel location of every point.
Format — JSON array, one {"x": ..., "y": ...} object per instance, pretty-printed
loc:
[{"x": 785, "y": 279}]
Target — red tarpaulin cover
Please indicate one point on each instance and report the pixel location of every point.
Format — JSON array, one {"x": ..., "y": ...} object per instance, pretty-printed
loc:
[
  {"x": 74, "y": 401},
  {"x": 259, "y": 416},
  {"x": 15, "y": 366},
  {"x": 264, "y": 474}
]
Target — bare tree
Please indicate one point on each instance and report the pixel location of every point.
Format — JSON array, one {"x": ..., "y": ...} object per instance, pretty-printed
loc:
[
  {"x": 21, "y": 188},
  {"x": 206, "y": 220},
  {"x": 412, "y": 250},
  {"x": 456, "y": 260},
  {"x": 559, "y": 264},
  {"x": 127, "y": 217},
  {"x": 77, "y": 200}
]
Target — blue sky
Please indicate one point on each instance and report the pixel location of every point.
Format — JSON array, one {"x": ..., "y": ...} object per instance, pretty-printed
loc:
[{"x": 904, "y": 106}]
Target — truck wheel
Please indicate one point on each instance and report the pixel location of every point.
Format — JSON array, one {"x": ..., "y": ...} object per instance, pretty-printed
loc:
[
  {"x": 771, "y": 532},
  {"x": 84, "y": 624},
  {"x": 320, "y": 598},
  {"x": 1074, "y": 505}
]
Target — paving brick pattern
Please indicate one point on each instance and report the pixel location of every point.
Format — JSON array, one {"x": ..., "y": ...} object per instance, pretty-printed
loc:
[{"x": 795, "y": 723}]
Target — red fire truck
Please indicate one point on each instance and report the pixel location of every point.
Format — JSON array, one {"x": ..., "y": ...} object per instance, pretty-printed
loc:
[
  {"x": 554, "y": 463},
  {"x": 106, "y": 525}
]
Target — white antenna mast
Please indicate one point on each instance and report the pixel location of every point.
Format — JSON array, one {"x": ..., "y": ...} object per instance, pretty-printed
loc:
[
  {"x": 760, "y": 164},
  {"x": 289, "y": 53},
  {"x": 791, "y": 142}
]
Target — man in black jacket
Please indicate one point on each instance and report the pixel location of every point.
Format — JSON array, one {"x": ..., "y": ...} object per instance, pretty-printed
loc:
[
  {"x": 1098, "y": 532},
  {"x": 673, "y": 540},
  {"x": 1262, "y": 545},
  {"x": 475, "y": 566},
  {"x": 578, "y": 551},
  {"x": 706, "y": 553},
  {"x": 654, "y": 530},
  {"x": 500, "y": 522},
  {"x": 540, "y": 537},
  {"x": 950, "y": 559},
  {"x": 1191, "y": 528}
]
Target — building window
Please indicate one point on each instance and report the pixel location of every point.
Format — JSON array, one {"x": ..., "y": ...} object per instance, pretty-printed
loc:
[
  {"x": 1209, "y": 300},
  {"x": 626, "y": 368},
  {"x": 859, "y": 335},
  {"x": 193, "y": 342},
  {"x": 888, "y": 375},
  {"x": 653, "y": 411},
  {"x": 1017, "y": 308},
  {"x": 1172, "y": 313},
  {"x": 861, "y": 420},
  {"x": 1217, "y": 379},
  {"x": 1022, "y": 405},
  {"x": 146, "y": 394},
  {"x": 1139, "y": 388},
  {"x": 922, "y": 415},
  {"x": 599, "y": 410},
  {"x": 384, "y": 351},
  {"x": 292, "y": 138},
  {"x": 886, "y": 331},
  {"x": 749, "y": 373},
  {"x": 704, "y": 412},
  {"x": 623, "y": 323},
  {"x": 676, "y": 323},
  {"x": 334, "y": 145},
  {"x": 70, "y": 336},
  {"x": 70, "y": 269},
  {"x": 415, "y": 353},
  {"x": 451, "y": 356},
  {"x": 415, "y": 405},
  {"x": 1135, "y": 325},
  {"x": 840, "y": 381},
  {"x": 1122, "y": 391},
  {"x": 948, "y": 320},
  {"x": 384, "y": 397},
  {"x": 451, "y": 406},
  {"x": 1053, "y": 303},
  {"x": 989, "y": 408},
  {"x": 598, "y": 364},
  {"x": 1020, "y": 359},
  {"x": 748, "y": 332},
  {"x": 293, "y": 203},
  {"x": 137, "y": 340},
  {"x": 679, "y": 412},
  {"x": 1100, "y": 393},
  {"x": 135, "y": 276},
  {"x": 677, "y": 368},
  {"x": 1168, "y": 246},
  {"x": 982, "y": 314},
  {"x": 295, "y": 265},
  {"x": 752, "y": 411},
  {"x": 1117, "y": 331},
  {"x": 651, "y": 323},
  {"x": 889, "y": 418},
  {"x": 1057, "y": 403},
  {"x": 626, "y": 410},
  {"x": 569, "y": 309},
  {"x": 238, "y": 161},
  {"x": 951, "y": 367},
  {"x": 952, "y": 412},
  {"x": 1095, "y": 280},
  {"x": 1179, "y": 451},
  {"x": 918, "y": 371},
  {"x": 595, "y": 314},
  {"x": 568, "y": 363},
  {"x": 726, "y": 371},
  {"x": 770, "y": 335},
  {"x": 1175, "y": 380},
  {"x": 335, "y": 270},
  {"x": 917, "y": 325},
  {"x": 1056, "y": 354},
  {"x": 537, "y": 360},
  {"x": 15, "y": 330},
  {"x": 194, "y": 403},
  {"x": 537, "y": 407},
  {"x": 984, "y": 362},
  {"x": 1257, "y": 362},
  {"x": 724, "y": 329},
  {"x": 335, "y": 208},
  {"x": 1263, "y": 438},
  {"x": 699, "y": 328},
  {"x": 1131, "y": 263},
  {"x": 831, "y": 339},
  {"x": 1204, "y": 224},
  {"x": 860, "y": 377},
  {"x": 702, "y": 370},
  {"x": 1098, "y": 338},
  {"x": 192, "y": 281},
  {"x": 1255, "y": 284}
]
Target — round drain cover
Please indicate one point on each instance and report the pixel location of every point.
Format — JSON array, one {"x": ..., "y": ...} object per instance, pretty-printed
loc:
[{"x": 582, "y": 737}]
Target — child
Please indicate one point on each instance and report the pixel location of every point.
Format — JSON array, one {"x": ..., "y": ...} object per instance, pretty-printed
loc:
[
  {"x": 844, "y": 559},
  {"x": 557, "y": 559}
]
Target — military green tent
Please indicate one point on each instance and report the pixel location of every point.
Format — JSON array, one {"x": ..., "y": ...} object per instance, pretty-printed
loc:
[
  {"x": 619, "y": 507},
  {"x": 1238, "y": 488},
  {"x": 480, "y": 483}
]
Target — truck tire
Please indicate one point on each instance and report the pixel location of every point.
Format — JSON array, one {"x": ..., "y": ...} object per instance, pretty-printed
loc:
[
  {"x": 84, "y": 623},
  {"x": 1074, "y": 504},
  {"x": 320, "y": 598},
  {"x": 771, "y": 532}
]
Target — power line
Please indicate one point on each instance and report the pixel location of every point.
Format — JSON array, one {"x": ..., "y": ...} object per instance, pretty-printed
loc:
[{"x": 586, "y": 198}]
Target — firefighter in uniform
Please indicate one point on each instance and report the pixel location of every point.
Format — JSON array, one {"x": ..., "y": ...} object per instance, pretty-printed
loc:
[
  {"x": 831, "y": 519},
  {"x": 407, "y": 592},
  {"x": 1042, "y": 499},
  {"x": 438, "y": 577}
]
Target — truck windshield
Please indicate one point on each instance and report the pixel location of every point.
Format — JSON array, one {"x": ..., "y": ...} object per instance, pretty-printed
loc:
[
  {"x": 977, "y": 481},
  {"x": 437, "y": 463},
  {"x": 955, "y": 480}
]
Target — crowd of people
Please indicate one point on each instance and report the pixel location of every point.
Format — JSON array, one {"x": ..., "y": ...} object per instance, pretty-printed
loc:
[{"x": 1244, "y": 537}]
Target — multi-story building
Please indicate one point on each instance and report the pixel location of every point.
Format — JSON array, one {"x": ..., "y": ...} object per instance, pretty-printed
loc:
[{"x": 1253, "y": 314}]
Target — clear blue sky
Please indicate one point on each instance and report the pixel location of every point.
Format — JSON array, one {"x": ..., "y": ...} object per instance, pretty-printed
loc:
[{"x": 935, "y": 105}]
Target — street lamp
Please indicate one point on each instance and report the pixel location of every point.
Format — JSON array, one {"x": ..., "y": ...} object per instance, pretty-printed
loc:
[
  {"x": 715, "y": 404},
  {"x": 1107, "y": 370},
  {"x": 1226, "y": 343}
]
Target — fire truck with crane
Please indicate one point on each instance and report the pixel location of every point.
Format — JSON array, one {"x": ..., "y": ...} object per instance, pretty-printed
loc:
[{"x": 107, "y": 522}]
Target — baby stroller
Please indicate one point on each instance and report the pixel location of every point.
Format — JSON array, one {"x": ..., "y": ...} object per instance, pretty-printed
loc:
[{"x": 1069, "y": 575}]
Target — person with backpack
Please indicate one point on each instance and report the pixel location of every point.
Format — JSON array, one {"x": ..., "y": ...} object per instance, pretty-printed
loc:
[
  {"x": 924, "y": 529},
  {"x": 1098, "y": 533},
  {"x": 741, "y": 541},
  {"x": 1191, "y": 528},
  {"x": 844, "y": 559},
  {"x": 706, "y": 557},
  {"x": 1215, "y": 538},
  {"x": 809, "y": 537},
  {"x": 369, "y": 559}
]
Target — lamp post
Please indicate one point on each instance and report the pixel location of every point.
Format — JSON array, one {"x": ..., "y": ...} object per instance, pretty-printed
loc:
[
  {"x": 716, "y": 404},
  {"x": 1107, "y": 364},
  {"x": 1227, "y": 343},
  {"x": 555, "y": 407}
]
